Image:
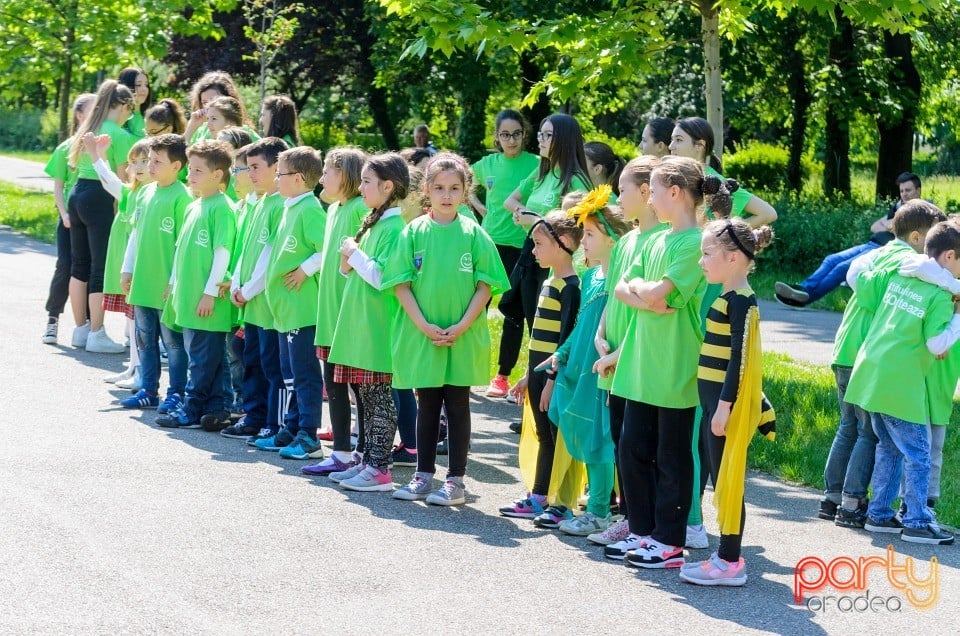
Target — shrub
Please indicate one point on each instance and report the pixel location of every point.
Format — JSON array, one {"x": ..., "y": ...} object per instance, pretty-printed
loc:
[
  {"x": 27, "y": 129},
  {"x": 761, "y": 166},
  {"x": 316, "y": 134}
]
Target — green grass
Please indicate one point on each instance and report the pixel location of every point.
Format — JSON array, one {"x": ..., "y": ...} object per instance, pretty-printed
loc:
[
  {"x": 763, "y": 279},
  {"x": 28, "y": 155},
  {"x": 30, "y": 212}
]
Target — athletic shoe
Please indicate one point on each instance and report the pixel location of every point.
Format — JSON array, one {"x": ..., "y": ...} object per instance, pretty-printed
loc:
[
  {"x": 614, "y": 533},
  {"x": 140, "y": 400},
  {"x": 240, "y": 430},
  {"x": 79, "y": 337},
  {"x": 350, "y": 473},
  {"x": 303, "y": 446},
  {"x": 552, "y": 517},
  {"x": 50, "y": 333},
  {"x": 617, "y": 551},
  {"x": 126, "y": 374},
  {"x": 655, "y": 555},
  {"x": 236, "y": 409},
  {"x": 526, "y": 508},
  {"x": 264, "y": 433},
  {"x": 930, "y": 533},
  {"x": 171, "y": 403},
  {"x": 499, "y": 386},
  {"x": 516, "y": 427},
  {"x": 369, "y": 479},
  {"x": 402, "y": 457},
  {"x": 828, "y": 510},
  {"x": 215, "y": 421},
  {"x": 786, "y": 302},
  {"x": 332, "y": 464},
  {"x": 134, "y": 382},
  {"x": 325, "y": 435},
  {"x": 890, "y": 526},
  {"x": 851, "y": 518},
  {"x": 177, "y": 419},
  {"x": 715, "y": 571},
  {"x": 420, "y": 486},
  {"x": 697, "y": 538},
  {"x": 99, "y": 342},
  {"x": 584, "y": 525},
  {"x": 451, "y": 493},
  {"x": 275, "y": 442},
  {"x": 796, "y": 293}
]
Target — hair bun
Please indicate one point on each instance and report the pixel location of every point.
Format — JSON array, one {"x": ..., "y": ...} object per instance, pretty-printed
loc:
[
  {"x": 732, "y": 185},
  {"x": 711, "y": 185}
]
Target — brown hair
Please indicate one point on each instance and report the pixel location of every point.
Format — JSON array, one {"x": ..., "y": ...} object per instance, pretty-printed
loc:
[
  {"x": 167, "y": 112},
  {"x": 283, "y": 118},
  {"x": 269, "y": 148},
  {"x": 700, "y": 129},
  {"x": 943, "y": 237},
  {"x": 230, "y": 108},
  {"x": 175, "y": 147},
  {"x": 639, "y": 170},
  {"x": 216, "y": 154},
  {"x": 220, "y": 82},
  {"x": 388, "y": 166},
  {"x": 916, "y": 215},
  {"x": 687, "y": 174},
  {"x": 563, "y": 225},
  {"x": 601, "y": 154},
  {"x": 736, "y": 235},
  {"x": 444, "y": 162},
  {"x": 236, "y": 136},
  {"x": 128, "y": 77},
  {"x": 306, "y": 161},
  {"x": 349, "y": 161}
]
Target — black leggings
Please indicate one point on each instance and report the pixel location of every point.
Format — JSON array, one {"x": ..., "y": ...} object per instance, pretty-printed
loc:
[
  {"x": 338, "y": 402},
  {"x": 617, "y": 407},
  {"x": 60, "y": 283},
  {"x": 432, "y": 400},
  {"x": 657, "y": 470},
  {"x": 546, "y": 431},
  {"x": 729, "y": 549},
  {"x": 91, "y": 215},
  {"x": 519, "y": 304}
]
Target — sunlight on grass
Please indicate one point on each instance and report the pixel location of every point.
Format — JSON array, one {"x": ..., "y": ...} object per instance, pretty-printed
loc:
[{"x": 28, "y": 211}]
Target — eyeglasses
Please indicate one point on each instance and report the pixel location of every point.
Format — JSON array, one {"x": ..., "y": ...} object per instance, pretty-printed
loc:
[
  {"x": 156, "y": 131},
  {"x": 237, "y": 170},
  {"x": 283, "y": 174},
  {"x": 505, "y": 136},
  {"x": 544, "y": 136}
]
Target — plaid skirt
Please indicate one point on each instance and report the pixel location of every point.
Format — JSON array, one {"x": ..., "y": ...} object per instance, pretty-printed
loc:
[
  {"x": 350, "y": 375},
  {"x": 323, "y": 352},
  {"x": 117, "y": 303}
]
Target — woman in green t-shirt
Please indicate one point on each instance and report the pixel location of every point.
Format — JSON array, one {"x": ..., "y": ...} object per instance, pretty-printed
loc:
[
  {"x": 207, "y": 88},
  {"x": 138, "y": 83},
  {"x": 563, "y": 169}
]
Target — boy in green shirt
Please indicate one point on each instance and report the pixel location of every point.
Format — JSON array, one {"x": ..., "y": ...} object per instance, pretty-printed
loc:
[
  {"x": 157, "y": 222},
  {"x": 200, "y": 265},
  {"x": 291, "y": 290},
  {"x": 914, "y": 321}
]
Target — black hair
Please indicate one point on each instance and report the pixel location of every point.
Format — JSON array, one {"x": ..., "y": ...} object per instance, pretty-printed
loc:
[
  {"x": 566, "y": 152},
  {"x": 700, "y": 129}
]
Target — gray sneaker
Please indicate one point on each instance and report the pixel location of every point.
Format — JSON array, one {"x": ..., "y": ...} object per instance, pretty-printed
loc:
[
  {"x": 50, "y": 333},
  {"x": 930, "y": 534},
  {"x": 452, "y": 493},
  {"x": 349, "y": 473},
  {"x": 584, "y": 525},
  {"x": 419, "y": 487}
]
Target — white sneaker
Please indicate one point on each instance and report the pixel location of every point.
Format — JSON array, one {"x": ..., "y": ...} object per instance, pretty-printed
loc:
[
  {"x": 134, "y": 382},
  {"x": 50, "y": 333},
  {"x": 126, "y": 374},
  {"x": 80, "y": 335},
  {"x": 99, "y": 342},
  {"x": 349, "y": 473},
  {"x": 697, "y": 537}
]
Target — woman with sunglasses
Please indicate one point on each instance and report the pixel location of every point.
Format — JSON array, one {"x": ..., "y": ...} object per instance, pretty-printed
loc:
[{"x": 563, "y": 169}]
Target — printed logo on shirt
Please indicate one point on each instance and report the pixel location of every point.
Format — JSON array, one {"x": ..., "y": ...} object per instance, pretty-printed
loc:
[
  {"x": 290, "y": 245},
  {"x": 264, "y": 235},
  {"x": 899, "y": 298},
  {"x": 136, "y": 213},
  {"x": 418, "y": 260},
  {"x": 466, "y": 262},
  {"x": 203, "y": 238},
  {"x": 489, "y": 183},
  {"x": 166, "y": 225}
]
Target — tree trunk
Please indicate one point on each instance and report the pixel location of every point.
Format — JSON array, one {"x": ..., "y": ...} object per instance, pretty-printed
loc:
[
  {"x": 710, "y": 33},
  {"x": 836, "y": 168},
  {"x": 800, "y": 96},
  {"x": 896, "y": 129},
  {"x": 530, "y": 74},
  {"x": 66, "y": 79},
  {"x": 474, "y": 93},
  {"x": 376, "y": 95}
]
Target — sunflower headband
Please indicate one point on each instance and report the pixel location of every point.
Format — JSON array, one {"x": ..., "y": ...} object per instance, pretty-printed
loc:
[{"x": 591, "y": 205}]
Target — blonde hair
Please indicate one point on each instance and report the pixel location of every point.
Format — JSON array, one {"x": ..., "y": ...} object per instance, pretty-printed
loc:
[
  {"x": 80, "y": 104},
  {"x": 139, "y": 149},
  {"x": 306, "y": 161},
  {"x": 110, "y": 95},
  {"x": 687, "y": 174},
  {"x": 736, "y": 235},
  {"x": 349, "y": 161}
]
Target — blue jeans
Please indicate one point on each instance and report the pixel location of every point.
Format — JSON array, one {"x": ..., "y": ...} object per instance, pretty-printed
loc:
[
  {"x": 149, "y": 330},
  {"x": 850, "y": 462},
  {"x": 262, "y": 380},
  {"x": 903, "y": 447},
  {"x": 205, "y": 386},
  {"x": 298, "y": 359},
  {"x": 833, "y": 271},
  {"x": 406, "y": 404}
]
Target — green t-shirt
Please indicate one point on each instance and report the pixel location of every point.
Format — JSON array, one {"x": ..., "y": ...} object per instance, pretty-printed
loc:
[
  {"x": 443, "y": 264},
  {"x": 889, "y": 374},
  {"x": 342, "y": 221},
  {"x": 135, "y": 125},
  {"x": 299, "y": 236},
  {"x": 209, "y": 224},
  {"x": 942, "y": 386},
  {"x": 261, "y": 230},
  {"x": 547, "y": 195},
  {"x": 856, "y": 319},
  {"x": 58, "y": 167},
  {"x": 116, "y": 155},
  {"x": 740, "y": 199},
  {"x": 500, "y": 176},
  {"x": 119, "y": 236},
  {"x": 363, "y": 335},
  {"x": 619, "y": 315},
  {"x": 158, "y": 218},
  {"x": 660, "y": 352}
]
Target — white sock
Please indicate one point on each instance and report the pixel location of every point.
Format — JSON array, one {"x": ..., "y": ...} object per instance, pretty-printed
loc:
[{"x": 134, "y": 354}]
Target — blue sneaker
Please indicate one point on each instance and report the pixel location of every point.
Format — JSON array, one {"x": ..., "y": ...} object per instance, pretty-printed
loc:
[
  {"x": 177, "y": 419},
  {"x": 264, "y": 433},
  {"x": 140, "y": 400},
  {"x": 171, "y": 403},
  {"x": 281, "y": 439},
  {"x": 303, "y": 446}
]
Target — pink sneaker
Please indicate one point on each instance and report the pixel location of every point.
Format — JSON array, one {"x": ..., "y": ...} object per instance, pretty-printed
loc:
[
  {"x": 499, "y": 386},
  {"x": 613, "y": 534},
  {"x": 715, "y": 571},
  {"x": 370, "y": 479}
]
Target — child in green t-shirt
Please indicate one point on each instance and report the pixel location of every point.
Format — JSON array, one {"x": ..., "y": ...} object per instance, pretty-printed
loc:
[
  {"x": 914, "y": 321},
  {"x": 195, "y": 301},
  {"x": 362, "y": 341},
  {"x": 445, "y": 269},
  {"x": 291, "y": 292}
]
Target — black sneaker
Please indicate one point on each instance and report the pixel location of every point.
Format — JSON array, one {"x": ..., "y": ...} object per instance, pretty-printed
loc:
[
  {"x": 796, "y": 293},
  {"x": 792, "y": 304},
  {"x": 930, "y": 533},
  {"x": 215, "y": 421},
  {"x": 402, "y": 457},
  {"x": 890, "y": 526},
  {"x": 240, "y": 430},
  {"x": 828, "y": 510},
  {"x": 851, "y": 518},
  {"x": 516, "y": 427}
]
